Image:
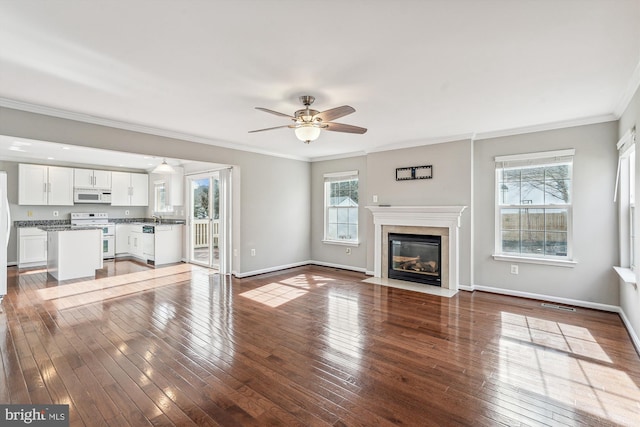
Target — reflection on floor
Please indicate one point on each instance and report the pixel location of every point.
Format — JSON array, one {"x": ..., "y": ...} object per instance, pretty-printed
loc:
[{"x": 183, "y": 345}]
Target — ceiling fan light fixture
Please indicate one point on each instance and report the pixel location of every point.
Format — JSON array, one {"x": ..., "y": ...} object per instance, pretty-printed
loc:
[
  {"x": 307, "y": 133},
  {"x": 163, "y": 168}
]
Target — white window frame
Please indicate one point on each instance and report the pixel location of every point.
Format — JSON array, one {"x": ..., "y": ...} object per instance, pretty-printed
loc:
[
  {"x": 328, "y": 179},
  {"x": 166, "y": 209},
  {"x": 534, "y": 159},
  {"x": 625, "y": 196}
]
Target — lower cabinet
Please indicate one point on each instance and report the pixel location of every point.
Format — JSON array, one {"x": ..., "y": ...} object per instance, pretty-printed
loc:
[
  {"x": 168, "y": 243},
  {"x": 136, "y": 242},
  {"x": 163, "y": 246},
  {"x": 123, "y": 238},
  {"x": 32, "y": 247}
]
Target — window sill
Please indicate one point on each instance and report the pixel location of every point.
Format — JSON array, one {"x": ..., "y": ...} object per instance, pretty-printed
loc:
[
  {"x": 542, "y": 261},
  {"x": 339, "y": 243},
  {"x": 627, "y": 275}
]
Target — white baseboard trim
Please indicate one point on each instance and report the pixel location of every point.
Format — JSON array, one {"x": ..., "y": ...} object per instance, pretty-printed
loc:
[
  {"x": 467, "y": 288},
  {"x": 270, "y": 269},
  {"x": 298, "y": 264},
  {"x": 627, "y": 324},
  {"x": 530, "y": 295},
  {"x": 370, "y": 273},
  {"x": 340, "y": 266}
]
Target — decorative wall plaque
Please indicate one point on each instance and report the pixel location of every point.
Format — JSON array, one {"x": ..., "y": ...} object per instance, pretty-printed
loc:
[{"x": 414, "y": 172}]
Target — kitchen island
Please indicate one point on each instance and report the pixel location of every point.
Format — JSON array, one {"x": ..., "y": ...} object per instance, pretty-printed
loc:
[{"x": 73, "y": 252}]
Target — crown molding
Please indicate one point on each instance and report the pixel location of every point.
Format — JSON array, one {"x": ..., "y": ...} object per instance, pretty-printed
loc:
[
  {"x": 421, "y": 142},
  {"x": 339, "y": 156},
  {"x": 87, "y": 118},
  {"x": 583, "y": 121},
  {"x": 627, "y": 96}
]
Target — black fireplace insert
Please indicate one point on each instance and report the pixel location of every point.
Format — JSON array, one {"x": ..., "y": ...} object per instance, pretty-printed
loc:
[{"x": 415, "y": 258}]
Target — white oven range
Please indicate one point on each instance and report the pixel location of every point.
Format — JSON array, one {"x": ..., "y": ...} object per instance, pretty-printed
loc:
[{"x": 98, "y": 219}]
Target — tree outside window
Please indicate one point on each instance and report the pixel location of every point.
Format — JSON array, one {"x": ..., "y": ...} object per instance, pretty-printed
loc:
[{"x": 534, "y": 207}]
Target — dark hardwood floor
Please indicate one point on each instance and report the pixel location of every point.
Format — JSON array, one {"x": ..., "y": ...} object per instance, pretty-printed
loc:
[{"x": 312, "y": 346}]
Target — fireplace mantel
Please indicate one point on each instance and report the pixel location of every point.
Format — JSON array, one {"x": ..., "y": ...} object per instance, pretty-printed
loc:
[{"x": 419, "y": 216}]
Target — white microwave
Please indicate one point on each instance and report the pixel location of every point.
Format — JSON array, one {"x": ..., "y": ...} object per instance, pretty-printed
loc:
[{"x": 91, "y": 195}]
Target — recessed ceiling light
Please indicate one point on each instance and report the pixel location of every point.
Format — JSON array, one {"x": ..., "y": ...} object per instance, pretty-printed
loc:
[
  {"x": 66, "y": 148},
  {"x": 50, "y": 158}
]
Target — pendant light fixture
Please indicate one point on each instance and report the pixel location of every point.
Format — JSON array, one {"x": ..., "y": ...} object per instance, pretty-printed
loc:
[{"x": 163, "y": 168}]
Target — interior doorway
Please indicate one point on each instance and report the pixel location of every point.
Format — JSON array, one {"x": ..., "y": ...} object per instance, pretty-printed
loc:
[{"x": 208, "y": 219}]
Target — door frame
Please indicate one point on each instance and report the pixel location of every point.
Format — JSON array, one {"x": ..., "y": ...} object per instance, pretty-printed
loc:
[{"x": 225, "y": 228}]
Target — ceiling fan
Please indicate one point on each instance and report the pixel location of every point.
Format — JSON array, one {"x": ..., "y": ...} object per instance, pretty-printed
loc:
[{"x": 308, "y": 123}]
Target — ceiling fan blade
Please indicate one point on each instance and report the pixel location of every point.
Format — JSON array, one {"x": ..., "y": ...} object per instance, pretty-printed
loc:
[
  {"x": 339, "y": 127},
  {"x": 277, "y": 127},
  {"x": 335, "y": 113},
  {"x": 266, "y": 110}
]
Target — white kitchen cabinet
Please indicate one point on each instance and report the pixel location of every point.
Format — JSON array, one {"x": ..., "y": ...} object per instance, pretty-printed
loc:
[
  {"x": 123, "y": 236},
  {"x": 136, "y": 242},
  {"x": 32, "y": 247},
  {"x": 164, "y": 246},
  {"x": 129, "y": 189},
  {"x": 88, "y": 178},
  {"x": 168, "y": 243},
  {"x": 72, "y": 254},
  {"x": 45, "y": 185}
]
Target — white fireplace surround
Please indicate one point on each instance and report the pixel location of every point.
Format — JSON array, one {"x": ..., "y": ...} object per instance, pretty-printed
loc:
[{"x": 419, "y": 216}]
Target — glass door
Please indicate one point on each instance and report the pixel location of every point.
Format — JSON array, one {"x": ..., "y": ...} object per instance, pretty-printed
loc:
[{"x": 205, "y": 220}]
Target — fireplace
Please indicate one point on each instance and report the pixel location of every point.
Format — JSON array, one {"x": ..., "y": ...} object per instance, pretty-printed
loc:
[
  {"x": 443, "y": 221},
  {"x": 415, "y": 258}
]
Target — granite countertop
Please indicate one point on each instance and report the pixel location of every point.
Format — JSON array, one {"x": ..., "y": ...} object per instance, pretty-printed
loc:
[
  {"x": 67, "y": 227},
  {"x": 39, "y": 223}
]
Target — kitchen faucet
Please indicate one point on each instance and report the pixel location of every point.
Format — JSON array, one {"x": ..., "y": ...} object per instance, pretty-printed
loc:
[{"x": 157, "y": 219}]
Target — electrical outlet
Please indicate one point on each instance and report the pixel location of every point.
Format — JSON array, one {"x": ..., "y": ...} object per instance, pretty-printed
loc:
[
  {"x": 514, "y": 269},
  {"x": 55, "y": 213},
  {"x": 29, "y": 213},
  {"x": 235, "y": 252},
  {"x": 348, "y": 251},
  {"x": 253, "y": 252},
  {"x": 126, "y": 212},
  {"x": 375, "y": 199}
]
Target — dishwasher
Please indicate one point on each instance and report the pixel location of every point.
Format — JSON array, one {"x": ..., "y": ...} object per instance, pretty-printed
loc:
[{"x": 149, "y": 243}]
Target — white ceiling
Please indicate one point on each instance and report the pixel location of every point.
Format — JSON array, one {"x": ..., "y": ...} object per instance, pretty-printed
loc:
[{"x": 415, "y": 71}]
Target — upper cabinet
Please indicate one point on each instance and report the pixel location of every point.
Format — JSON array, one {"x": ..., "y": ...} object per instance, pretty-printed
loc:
[
  {"x": 87, "y": 178},
  {"x": 129, "y": 189},
  {"x": 45, "y": 185}
]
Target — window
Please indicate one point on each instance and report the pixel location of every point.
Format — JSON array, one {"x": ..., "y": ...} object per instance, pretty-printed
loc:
[
  {"x": 161, "y": 204},
  {"x": 341, "y": 207},
  {"x": 534, "y": 205},
  {"x": 625, "y": 195}
]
